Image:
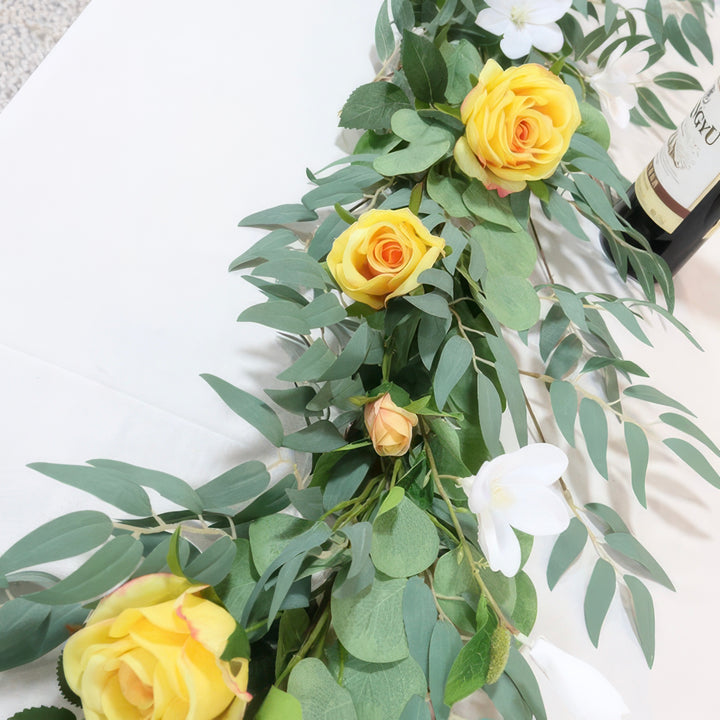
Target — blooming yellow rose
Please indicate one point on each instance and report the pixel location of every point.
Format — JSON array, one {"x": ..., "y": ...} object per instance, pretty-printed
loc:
[
  {"x": 518, "y": 125},
  {"x": 381, "y": 255},
  {"x": 390, "y": 427},
  {"x": 152, "y": 649}
]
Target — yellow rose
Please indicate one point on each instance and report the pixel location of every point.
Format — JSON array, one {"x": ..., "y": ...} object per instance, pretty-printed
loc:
[
  {"x": 518, "y": 125},
  {"x": 381, "y": 255},
  {"x": 390, "y": 427},
  {"x": 152, "y": 649}
]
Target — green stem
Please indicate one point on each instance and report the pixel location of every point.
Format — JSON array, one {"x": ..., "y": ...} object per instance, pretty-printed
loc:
[{"x": 467, "y": 551}]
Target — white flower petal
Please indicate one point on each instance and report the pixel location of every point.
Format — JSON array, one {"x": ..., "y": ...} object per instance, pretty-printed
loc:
[
  {"x": 548, "y": 38},
  {"x": 493, "y": 21},
  {"x": 537, "y": 463},
  {"x": 538, "y": 510},
  {"x": 499, "y": 544},
  {"x": 542, "y": 12},
  {"x": 586, "y": 692},
  {"x": 516, "y": 43}
]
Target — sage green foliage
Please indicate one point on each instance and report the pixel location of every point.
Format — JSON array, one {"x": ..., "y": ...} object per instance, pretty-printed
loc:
[{"x": 376, "y": 602}]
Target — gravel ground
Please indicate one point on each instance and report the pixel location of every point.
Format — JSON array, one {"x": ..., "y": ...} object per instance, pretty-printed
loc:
[{"x": 28, "y": 31}]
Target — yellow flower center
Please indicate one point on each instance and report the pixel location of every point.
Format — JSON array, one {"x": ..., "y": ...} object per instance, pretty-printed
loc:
[{"x": 519, "y": 15}]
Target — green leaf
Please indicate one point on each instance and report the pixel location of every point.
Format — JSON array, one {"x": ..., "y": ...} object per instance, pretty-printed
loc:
[
  {"x": 566, "y": 357},
  {"x": 562, "y": 212},
  {"x": 509, "y": 377},
  {"x": 424, "y": 68},
  {"x": 489, "y": 413},
  {"x": 416, "y": 709},
  {"x": 524, "y": 680},
  {"x": 432, "y": 303},
  {"x": 169, "y": 486},
  {"x": 281, "y": 315},
  {"x": 264, "y": 248},
  {"x": 454, "y": 580},
  {"x": 695, "y": 459},
  {"x": 445, "y": 645},
  {"x": 628, "y": 318},
  {"x": 654, "y": 18},
  {"x": 595, "y": 430},
  {"x": 296, "y": 269},
  {"x": 381, "y": 691},
  {"x": 323, "y": 311},
  {"x": 564, "y": 403},
  {"x": 524, "y": 612},
  {"x": 697, "y": 35},
  {"x": 279, "y": 705},
  {"x": 311, "y": 365},
  {"x": 611, "y": 519},
  {"x": 462, "y": 60},
  {"x": 346, "y": 477},
  {"x": 630, "y": 547},
  {"x": 679, "y": 422},
  {"x": 43, "y": 713},
  {"x": 469, "y": 670},
  {"x": 567, "y": 548},
  {"x": 270, "y": 502},
  {"x": 319, "y": 437},
  {"x": 236, "y": 587},
  {"x": 279, "y": 215},
  {"x": 361, "y": 572},
  {"x": 384, "y": 37},
  {"x": 447, "y": 192},
  {"x": 108, "y": 567},
  {"x": 651, "y": 395},
  {"x": 308, "y": 502},
  {"x": 372, "y": 106},
  {"x": 420, "y": 616},
  {"x": 454, "y": 360},
  {"x": 63, "y": 537},
  {"x": 677, "y": 81},
  {"x": 507, "y": 699},
  {"x": 270, "y": 535},
  {"x": 213, "y": 564},
  {"x": 427, "y": 145},
  {"x": 29, "y": 630},
  {"x": 552, "y": 329},
  {"x": 403, "y": 14},
  {"x": 677, "y": 39},
  {"x": 103, "y": 484},
  {"x": 404, "y": 541},
  {"x": 638, "y": 452},
  {"x": 488, "y": 205},
  {"x": 237, "y": 485},
  {"x": 370, "y": 624},
  {"x": 644, "y": 616},
  {"x": 248, "y": 407},
  {"x": 650, "y": 104},
  {"x": 352, "y": 356},
  {"x": 599, "y": 595},
  {"x": 512, "y": 300},
  {"x": 507, "y": 253},
  {"x": 321, "y": 698}
]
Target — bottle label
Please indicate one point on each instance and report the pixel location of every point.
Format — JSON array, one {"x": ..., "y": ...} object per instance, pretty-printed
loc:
[{"x": 686, "y": 168}]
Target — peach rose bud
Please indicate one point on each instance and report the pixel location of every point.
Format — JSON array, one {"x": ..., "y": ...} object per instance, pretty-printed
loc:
[{"x": 390, "y": 427}]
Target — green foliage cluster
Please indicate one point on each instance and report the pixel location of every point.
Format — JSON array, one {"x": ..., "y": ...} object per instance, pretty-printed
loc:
[{"x": 371, "y": 599}]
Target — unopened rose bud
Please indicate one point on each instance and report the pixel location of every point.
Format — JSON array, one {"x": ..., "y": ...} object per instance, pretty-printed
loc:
[{"x": 390, "y": 427}]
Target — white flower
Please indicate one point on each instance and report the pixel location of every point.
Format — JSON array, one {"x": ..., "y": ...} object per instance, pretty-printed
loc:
[
  {"x": 513, "y": 491},
  {"x": 615, "y": 83},
  {"x": 585, "y": 691},
  {"x": 524, "y": 24}
]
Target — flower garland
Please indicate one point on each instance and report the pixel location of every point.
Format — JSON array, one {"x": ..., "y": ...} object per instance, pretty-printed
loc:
[{"x": 387, "y": 579}]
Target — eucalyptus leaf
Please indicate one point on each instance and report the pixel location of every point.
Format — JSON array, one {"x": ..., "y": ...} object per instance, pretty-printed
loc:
[
  {"x": 595, "y": 430},
  {"x": 599, "y": 595},
  {"x": 638, "y": 452},
  {"x": 279, "y": 215},
  {"x": 629, "y": 546},
  {"x": 320, "y": 697},
  {"x": 424, "y": 68},
  {"x": 248, "y": 407},
  {"x": 279, "y": 705},
  {"x": 63, "y": 537},
  {"x": 644, "y": 617},
  {"x": 214, "y": 564},
  {"x": 454, "y": 360},
  {"x": 445, "y": 645},
  {"x": 419, "y": 616},
  {"x": 234, "y": 486},
  {"x": 567, "y": 548}
]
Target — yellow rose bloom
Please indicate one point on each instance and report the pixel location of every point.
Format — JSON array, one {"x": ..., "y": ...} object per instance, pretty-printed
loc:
[
  {"x": 151, "y": 649},
  {"x": 381, "y": 255},
  {"x": 389, "y": 426},
  {"x": 518, "y": 125}
]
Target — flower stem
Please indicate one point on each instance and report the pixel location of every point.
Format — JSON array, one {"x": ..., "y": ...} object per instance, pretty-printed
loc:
[{"x": 467, "y": 550}]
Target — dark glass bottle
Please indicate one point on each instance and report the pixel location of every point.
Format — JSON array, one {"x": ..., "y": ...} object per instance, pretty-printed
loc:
[{"x": 675, "y": 202}]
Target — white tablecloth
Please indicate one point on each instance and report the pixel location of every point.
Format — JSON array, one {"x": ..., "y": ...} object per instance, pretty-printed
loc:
[{"x": 125, "y": 163}]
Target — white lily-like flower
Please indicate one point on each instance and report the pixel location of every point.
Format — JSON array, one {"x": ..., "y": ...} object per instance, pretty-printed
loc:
[
  {"x": 586, "y": 692},
  {"x": 513, "y": 491},
  {"x": 524, "y": 24},
  {"x": 615, "y": 83}
]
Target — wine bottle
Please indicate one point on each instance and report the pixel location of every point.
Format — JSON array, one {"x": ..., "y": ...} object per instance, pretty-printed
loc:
[{"x": 675, "y": 202}]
